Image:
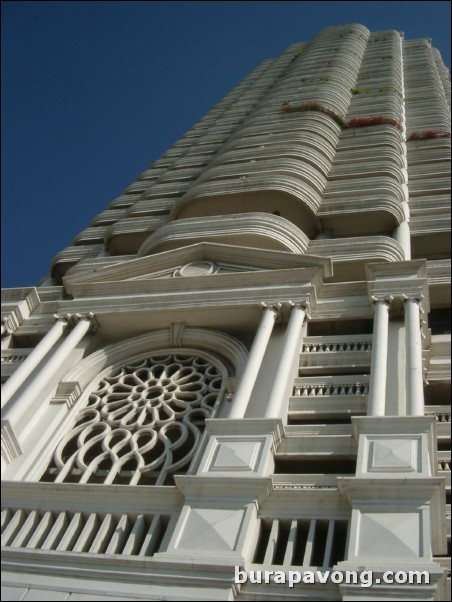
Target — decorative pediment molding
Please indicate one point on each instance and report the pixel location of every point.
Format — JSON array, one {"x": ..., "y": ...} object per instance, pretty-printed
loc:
[{"x": 195, "y": 262}]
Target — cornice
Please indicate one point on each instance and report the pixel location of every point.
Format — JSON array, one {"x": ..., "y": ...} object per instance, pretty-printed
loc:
[
  {"x": 17, "y": 306},
  {"x": 79, "y": 497}
]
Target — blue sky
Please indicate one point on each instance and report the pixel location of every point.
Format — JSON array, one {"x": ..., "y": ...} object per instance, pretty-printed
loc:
[{"x": 94, "y": 92}]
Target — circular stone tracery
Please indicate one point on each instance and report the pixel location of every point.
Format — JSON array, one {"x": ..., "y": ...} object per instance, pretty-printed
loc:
[{"x": 142, "y": 424}]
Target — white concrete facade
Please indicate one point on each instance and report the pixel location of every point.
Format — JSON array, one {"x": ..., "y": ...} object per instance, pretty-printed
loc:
[{"x": 243, "y": 364}]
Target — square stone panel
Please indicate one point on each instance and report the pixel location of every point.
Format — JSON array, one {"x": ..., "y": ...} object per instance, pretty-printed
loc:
[
  {"x": 233, "y": 456},
  {"x": 211, "y": 529},
  {"x": 384, "y": 535},
  {"x": 393, "y": 455}
]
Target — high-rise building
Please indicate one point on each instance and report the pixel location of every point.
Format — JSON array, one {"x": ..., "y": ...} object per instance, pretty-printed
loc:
[{"x": 243, "y": 363}]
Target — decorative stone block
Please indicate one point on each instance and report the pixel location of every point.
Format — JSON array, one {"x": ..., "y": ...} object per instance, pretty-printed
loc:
[
  {"x": 10, "y": 444},
  {"x": 389, "y": 535},
  {"x": 386, "y": 508},
  {"x": 210, "y": 529},
  {"x": 67, "y": 393},
  {"x": 236, "y": 447},
  {"x": 393, "y": 455},
  {"x": 233, "y": 455},
  {"x": 395, "y": 444}
]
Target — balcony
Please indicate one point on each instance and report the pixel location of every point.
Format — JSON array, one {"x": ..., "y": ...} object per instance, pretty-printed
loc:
[
  {"x": 258, "y": 230},
  {"x": 329, "y": 397},
  {"x": 82, "y": 521},
  {"x": 351, "y": 254},
  {"x": 338, "y": 354}
]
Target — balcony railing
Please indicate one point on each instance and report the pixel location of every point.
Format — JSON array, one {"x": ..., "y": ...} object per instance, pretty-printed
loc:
[
  {"x": 337, "y": 344},
  {"x": 301, "y": 542},
  {"x": 12, "y": 359},
  {"x": 85, "y": 520},
  {"x": 331, "y": 386}
]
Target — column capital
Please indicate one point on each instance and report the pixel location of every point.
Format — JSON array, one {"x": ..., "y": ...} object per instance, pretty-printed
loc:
[
  {"x": 399, "y": 279},
  {"x": 9, "y": 325},
  {"x": 416, "y": 297},
  {"x": 74, "y": 318},
  {"x": 59, "y": 318},
  {"x": 301, "y": 304},
  {"x": 384, "y": 299},
  {"x": 283, "y": 309},
  {"x": 273, "y": 307},
  {"x": 396, "y": 302}
]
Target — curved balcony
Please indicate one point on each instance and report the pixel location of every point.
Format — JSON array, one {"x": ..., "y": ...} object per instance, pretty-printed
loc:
[
  {"x": 124, "y": 201},
  {"x": 91, "y": 236},
  {"x": 279, "y": 195},
  {"x": 428, "y": 151},
  {"x": 170, "y": 189},
  {"x": 310, "y": 156},
  {"x": 181, "y": 175},
  {"x": 138, "y": 186},
  {"x": 385, "y": 75},
  {"x": 427, "y": 170},
  {"x": 276, "y": 166},
  {"x": 314, "y": 122},
  {"x": 370, "y": 168},
  {"x": 109, "y": 216},
  {"x": 329, "y": 95},
  {"x": 69, "y": 256},
  {"x": 435, "y": 224},
  {"x": 372, "y": 206},
  {"x": 127, "y": 235},
  {"x": 428, "y": 185},
  {"x": 155, "y": 171},
  {"x": 279, "y": 142},
  {"x": 435, "y": 108},
  {"x": 373, "y": 153},
  {"x": 368, "y": 104},
  {"x": 382, "y": 136},
  {"x": 257, "y": 230},
  {"x": 350, "y": 255},
  {"x": 151, "y": 207}
]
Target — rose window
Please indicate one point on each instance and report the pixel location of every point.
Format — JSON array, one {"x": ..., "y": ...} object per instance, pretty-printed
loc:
[{"x": 141, "y": 425}]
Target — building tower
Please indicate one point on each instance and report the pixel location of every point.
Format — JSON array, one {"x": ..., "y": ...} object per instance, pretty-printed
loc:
[{"x": 244, "y": 363}]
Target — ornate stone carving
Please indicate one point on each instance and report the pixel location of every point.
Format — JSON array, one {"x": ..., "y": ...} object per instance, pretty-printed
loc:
[
  {"x": 142, "y": 424},
  {"x": 197, "y": 268}
]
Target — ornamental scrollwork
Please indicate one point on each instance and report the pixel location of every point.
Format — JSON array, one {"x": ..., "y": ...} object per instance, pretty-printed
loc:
[{"x": 142, "y": 424}]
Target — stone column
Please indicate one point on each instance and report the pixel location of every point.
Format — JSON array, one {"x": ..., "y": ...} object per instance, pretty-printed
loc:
[
  {"x": 413, "y": 343},
  {"x": 30, "y": 363},
  {"x": 22, "y": 404},
  {"x": 403, "y": 236},
  {"x": 291, "y": 347},
  {"x": 254, "y": 362},
  {"x": 378, "y": 369}
]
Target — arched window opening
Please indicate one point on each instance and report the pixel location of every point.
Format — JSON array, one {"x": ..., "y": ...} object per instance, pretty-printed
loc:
[{"x": 143, "y": 422}]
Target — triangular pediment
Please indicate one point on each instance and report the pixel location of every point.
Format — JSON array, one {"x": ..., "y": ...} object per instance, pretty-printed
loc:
[{"x": 194, "y": 261}]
